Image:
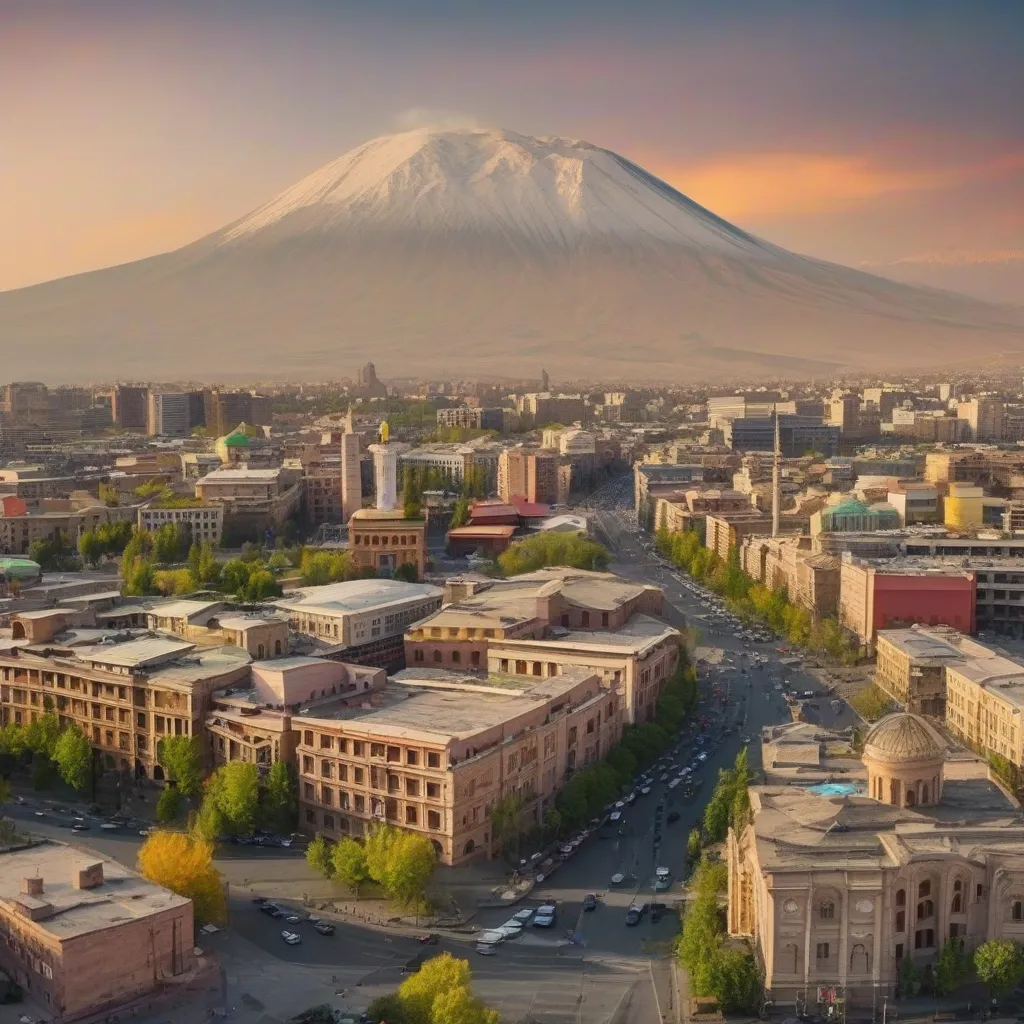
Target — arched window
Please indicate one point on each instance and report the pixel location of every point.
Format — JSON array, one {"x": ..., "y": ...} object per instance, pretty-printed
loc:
[
  {"x": 911, "y": 798},
  {"x": 924, "y": 889},
  {"x": 957, "y": 906},
  {"x": 456, "y": 657},
  {"x": 925, "y": 909},
  {"x": 277, "y": 646},
  {"x": 901, "y": 920},
  {"x": 894, "y": 791},
  {"x": 1017, "y": 911},
  {"x": 437, "y": 656},
  {"x": 827, "y": 910},
  {"x": 860, "y": 962},
  {"x": 901, "y": 897},
  {"x": 958, "y": 886},
  {"x": 924, "y": 793}
]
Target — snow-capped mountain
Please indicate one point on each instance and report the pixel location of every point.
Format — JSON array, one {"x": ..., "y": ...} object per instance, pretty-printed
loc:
[{"x": 482, "y": 252}]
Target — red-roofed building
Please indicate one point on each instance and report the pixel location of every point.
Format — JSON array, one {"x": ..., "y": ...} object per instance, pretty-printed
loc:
[
  {"x": 530, "y": 509},
  {"x": 493, "y": 513},
  {"x": 484, "y": 540}
]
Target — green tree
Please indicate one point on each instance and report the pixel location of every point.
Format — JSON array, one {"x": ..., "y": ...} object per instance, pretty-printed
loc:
[
  {"x": 401, "y": 862},
  {"x": 181, "y": 757},
  {"x": 54, "y": 554},
  {"x": 388, "y": 1008},
  {"x": 693, "y": 845},
  {"x": 73, "y": 757},
  {"x": 735, "y": 980},
  {"x": 552, "y": 548},
  {"x": 318, "y": 856},
  {"x": 1000, "y": 965},
  {"x": 438, "y": 975},
  {"x": 279, "y": 798},
  {"x": 234, "y": 577},
  {"x": 407, "y": 573},
  {"x": 460, "y": 515},
  {"x": 261, "y": 585},
  {"x": 90, "y": 547},
  {"x": 41, "y": 735},
  {"x": 238, "y": 795},
  {"x": 412, "y": 496},
  {"x": 42, "y": 772},
  {"x": 506, "y": 817},
  {"x": 348, "y": 860},
  {"x": 168, "y": 807},
  {"x": 910, "y": 978},
  {"x": 108, "y": 495},
  {"x": 953, "y": 968},
  {"x": 320, "y": 567}
]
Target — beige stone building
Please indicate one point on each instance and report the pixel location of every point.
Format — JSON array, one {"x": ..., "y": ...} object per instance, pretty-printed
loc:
[
  {"x": 985, "y": 706},
  {"x": 383, "y": 540},
  {"x": 205, "y": 523},
  {"x": 252, "y": 499},
  {"x": 83, "y": 936},
  {"x": 634, "y": 660},
  {"x": 124, "y": 696},
  {"x": 434, "y": 751},
  {"x": 847, "y": 869}
]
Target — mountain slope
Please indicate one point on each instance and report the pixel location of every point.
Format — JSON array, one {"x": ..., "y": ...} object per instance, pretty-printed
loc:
[{"x": 482, "y": 252}]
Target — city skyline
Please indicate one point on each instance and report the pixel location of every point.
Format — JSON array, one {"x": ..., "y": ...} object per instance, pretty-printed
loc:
[{"x": 866, "y": 137}]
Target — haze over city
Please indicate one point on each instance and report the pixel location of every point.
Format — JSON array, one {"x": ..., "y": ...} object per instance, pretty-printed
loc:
[{"x": 511, "y": 513}]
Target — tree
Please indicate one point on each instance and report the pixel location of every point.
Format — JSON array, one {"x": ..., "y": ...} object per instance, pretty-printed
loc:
[
  {"x": 54, "y": 554},
  {"x": 505, "y": 815},
  {"x": 108, "y": 495},
  {"x": 438, "y": 975},
  {"x": 318, "y": 856},
  {"x": 184, "y": 864},
  {"x": 73, "y": 757},
  {"x": 401, "y": 862},
  {"x": 999, "y": 964},
  {"x": 910, "y": 978},
  {"x": 261, "y": 585},
  {"x": 320, "y": 567},
  {"x": 349, "y": 862},
  {"x": 238, "y": 795},
  {"x": 952, "y": 969},
  {"x": 552, "y": 548},
  {"x": 168, "y": 807},
  {"x": 693, "y": 845},
  {"x": 460, "y": 515},
  {"x": 41, "y": 735},
  {"x": 181, "y": 757},
  {"x": 6, "y": 792},
  {"x": 412, "y": 496},
  {"x": 279, "y": 798},
  {"x": 388, "y": 1008},
  {"x": 407, "y": 573},
  {"x": 90, "y": 547},
  {"x": 735, "y": 980}
]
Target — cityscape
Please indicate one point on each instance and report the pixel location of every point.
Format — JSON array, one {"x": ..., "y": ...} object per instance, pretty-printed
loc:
[{"x": 505, "y": 577}]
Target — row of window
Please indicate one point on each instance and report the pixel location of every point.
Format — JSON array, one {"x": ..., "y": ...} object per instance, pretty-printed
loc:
[
  {"x": 378, "y": 780},
  {"x": 359, "y": 748}
]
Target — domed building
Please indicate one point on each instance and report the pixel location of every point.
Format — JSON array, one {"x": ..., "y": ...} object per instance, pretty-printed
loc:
[
  {"x": 849, "y": 866},
  {"x": 234, "y": 446},
  {"x": 903, "y": 755}
]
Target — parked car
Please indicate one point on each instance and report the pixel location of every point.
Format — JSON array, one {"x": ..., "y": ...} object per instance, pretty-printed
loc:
[
  {"x": 324, "y": 928},
  {"x": 292, "y": 938},
  {"x": 590, "y": 901},
  {"x": 635, "y": 914},
  {"x": 673, "y": 817}
]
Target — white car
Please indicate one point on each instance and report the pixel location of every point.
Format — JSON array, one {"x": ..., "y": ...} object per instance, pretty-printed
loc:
[
  {"x": 511, "y": 929},
  {"x": 292, "y": 938},
  {"x": 491, "y": 938},
  {"x": 109, "y": 826},
  {"x": 522, "y": 916}
]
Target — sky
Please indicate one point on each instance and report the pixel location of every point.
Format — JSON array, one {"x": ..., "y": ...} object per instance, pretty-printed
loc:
[{"x": 862, "y": 132}]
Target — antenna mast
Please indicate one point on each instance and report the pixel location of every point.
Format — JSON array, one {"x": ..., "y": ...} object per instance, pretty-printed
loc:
[{"x": 776, "y": 476}]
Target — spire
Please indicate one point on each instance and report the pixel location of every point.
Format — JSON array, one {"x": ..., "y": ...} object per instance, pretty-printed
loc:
[
  {"x": 349, "y": 425},
  {"x": 776, "y": 476}
]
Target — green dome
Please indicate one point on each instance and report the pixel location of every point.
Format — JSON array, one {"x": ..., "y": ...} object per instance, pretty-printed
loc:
[
  {"x": 850, "y": 507},
  {"x": 238, "y": 438}
]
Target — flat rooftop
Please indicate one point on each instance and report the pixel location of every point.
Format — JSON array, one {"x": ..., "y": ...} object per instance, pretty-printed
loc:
[
  {"x": 123, "y": 896},
  {"x": 354, "y": 596},
  {"x": 638, "y": 635}
]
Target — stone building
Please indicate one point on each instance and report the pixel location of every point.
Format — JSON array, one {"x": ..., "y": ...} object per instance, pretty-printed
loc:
[{"x": 846, "y": 869}]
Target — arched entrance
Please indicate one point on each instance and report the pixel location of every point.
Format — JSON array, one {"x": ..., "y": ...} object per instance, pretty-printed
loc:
[
  {"x": 158, "y": 773},
  {"x": 468, "y": 848},
  {"x": 438, "y": 848},
  {"x": 140, "y": 769},
  {"x": 18, "y": 630}
]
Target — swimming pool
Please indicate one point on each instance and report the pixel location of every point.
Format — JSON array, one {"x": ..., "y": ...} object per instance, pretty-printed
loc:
[{"x": 834, "y": 789}]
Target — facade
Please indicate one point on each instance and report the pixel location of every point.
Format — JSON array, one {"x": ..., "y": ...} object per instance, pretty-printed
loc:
[
  {"x": 530, "y": 473},
  {"x": 915, "y": 502},
  {"x": 435, "y": 751},
  {"x": 545, "y": 407},
  {"x": 874, "y": 597},
  {"x": 985, "y": 706},
  {"x": 125, "y": 697},
  {"x": 83, "y": 936},
  {"x": 204, "y": 522},
  {"x": 835, "y": 892},
  {"x": 169, "y": 414},
  {"x": 360, "y": 621},
  {"x": 797, "y": 435},
  {"x": 984, "y": 418},
  {"x": 351, "y": 476},
  {"x": 18, "y": 532},
  {"x": 726, "y": 531},
  {"x": 471, "y": 418},
  {"x": 853, "y": 515},
  {"x": 385, "y": 540},
  {"x": 256, "y": 499},
  {"x": 129, "y": 405},
  {"x": 322, "y": 492},
  {"x": 634, "y": 661}
]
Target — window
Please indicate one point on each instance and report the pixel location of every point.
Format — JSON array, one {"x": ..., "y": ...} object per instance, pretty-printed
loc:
[
  {"x": 433, "y": 819},
  {"x": 821, "y": 953},
  {"x": 901, "y": 897},
  {"x": 326, "y": 769},
  {"x": 417, "y": 655},
  {"x": 434, "y": 790},
  {"x": 412, "y": 787},
  {"x": 1017, "y": 911},
  {"x": 376, "y": 750},
  {"x": 899, "y": 951},
  {"x": 357, "y": 748},
  {"x": 310, "y": 816},
  {"x": 925, "y": 909},
  {"x": 437, "y": 656},
  {"x": 410, "y": 816},
  {"x": 412, "y": 757},
  {"x": 307, "y": 790},
  {"x": 924, "y": 889},
  {"x": 924, "y": 938},
  {"x": 957, "y": 906},
  {"x": 901, "y": 920},
  {"x": 456, "y": 657},
  {"x": 394, "y": 754},
  {"x": 307, "y": 737},
  {"x": 827, "y": 911},
  {"x": 329, "y": 821},
  {"x": 325, "y": 741},
  {"x": 474, "y": 658},
  {"x": 433, "y": 760},
  {"x": 358, "y": 775}
]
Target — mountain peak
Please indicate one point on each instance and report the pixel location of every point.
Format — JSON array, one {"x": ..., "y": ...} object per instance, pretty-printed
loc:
[{"x": 484, "y": 181}]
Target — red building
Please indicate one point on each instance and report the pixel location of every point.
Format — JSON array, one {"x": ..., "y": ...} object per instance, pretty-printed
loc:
[{"x": 874, "y": 597}]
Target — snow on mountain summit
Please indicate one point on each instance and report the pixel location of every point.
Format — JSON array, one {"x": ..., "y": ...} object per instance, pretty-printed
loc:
[{"x": 545, "y": 191}]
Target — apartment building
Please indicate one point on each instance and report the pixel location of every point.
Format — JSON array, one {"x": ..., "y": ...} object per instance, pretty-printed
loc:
[
  {"x": 634, "y": 660},
  {"x": 204, "y": 522},
  {"x": 471, "y": 418},
  {"x": 125, "y": 696},
  {"x": 256, "y": 499},
  {"x": 727, "y": 530},
  {"x": 129, "y": 406},
  {"x": 169, "y": 414},
  {"x": 360, "y": 621},
  {"x": 985, "y": 706},
  {"x": 83, "y": 936},
  {"x": 435, "y": 751},
  {"x": 530, "y": 473},
  {"x": 18, "y": 532},
  {"x": 322, "y": 490},
  {"x": 529, "y": 606}
]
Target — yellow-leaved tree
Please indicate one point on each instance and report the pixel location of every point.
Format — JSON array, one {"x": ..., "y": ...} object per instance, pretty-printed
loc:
[
  {"x": 184, "y": 864},
  {"x": 440, "y": 993}
]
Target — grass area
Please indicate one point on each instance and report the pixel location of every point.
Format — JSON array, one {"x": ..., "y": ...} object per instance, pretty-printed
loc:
[{"x": 872, "y": 703}]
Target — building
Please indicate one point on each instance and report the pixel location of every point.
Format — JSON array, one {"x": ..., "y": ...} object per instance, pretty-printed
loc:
[
  {"x": 479, "y": 610},
  {"x": 205, "y": 522},
  {"x": 384, "y": 541},
  {"x": 360, "y": 621},
  {"x": 915, "y": 502},
  {"x": 223, "y": 410},
  {"x": 369, "y": 385},
  {"x": 963, "y": 507},
  {"x": 854, "y": 515},
  {"x": 985, "y": 706},
  {"x": 911, "y": 664},
  {"x": 454, "y": 462},
  {"x": 129, "y": 406},
  {"x": 254, "y": 500},
  {"x": 725, "y": 531},
  {"x": 545, "y": 407},
  {"x": 434, "y": 752},
  {"x": 351, "y": 476},
  {"x": 322, "y": 491},
  {"x": 634, "y": 660},
  {"x": 836, "y": 891},
  {"x": 984, "y": 418},
  {"x": 797, "y": 435},
  {"x": 874, "y": 596},
  {"x": 19, "y": 531},
  {"x": 83, "y": 936},
  {"x": 844, "y": 412},
  {"x": 485, "y": 540},
  {"x": 530, "y": 473},
  {"x": 125, "y": 696},
  {"x": 169, "y": 414},
  {"x": 472, "y": 418}
]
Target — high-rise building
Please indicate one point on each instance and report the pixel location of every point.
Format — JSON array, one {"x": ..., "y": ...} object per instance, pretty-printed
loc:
[
  {"x": 168, "y": 414},
  {"x": 984, "y": 417},
  {"x": 351, "y": 480},
  {"x": 226, "y": 409},
  {"x": 26, "y": 401},
  {"x": 129, "y": 406},
  {"x": 512, "y": 465}
]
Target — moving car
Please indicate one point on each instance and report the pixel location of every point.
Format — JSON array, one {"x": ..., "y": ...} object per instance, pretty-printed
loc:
[
  {"x": 486, "y": 949},
  {"x": 522, "y": 916},
  {"x": 634, "y": 914},
  {"x": 292, "y": 938},
  {"x": 673, "y": 817},
  {"x": 324, "y": 928},
  {"x": 545, "y": 916},
  {"x": 590, "y": 901},
  {"x": 271, "y": 909}
]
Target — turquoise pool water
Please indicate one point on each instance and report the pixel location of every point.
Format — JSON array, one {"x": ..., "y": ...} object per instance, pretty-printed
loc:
[{"x": 835, "y": 789}]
